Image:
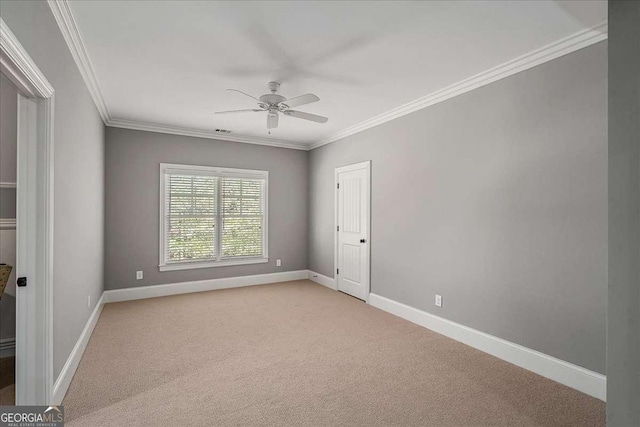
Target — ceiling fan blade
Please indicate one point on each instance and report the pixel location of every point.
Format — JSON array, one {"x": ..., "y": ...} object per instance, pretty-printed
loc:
[
  {"x": 306, "y": 116},
  {"x": 301, "y": 100},
  {"x": 272, "y": 120},
  {"x": 255, "y": 110},
  {"x": 239, "y": 91}
]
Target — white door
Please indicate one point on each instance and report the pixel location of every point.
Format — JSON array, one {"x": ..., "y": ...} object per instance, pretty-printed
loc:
[{"x": 353, "y": 185}]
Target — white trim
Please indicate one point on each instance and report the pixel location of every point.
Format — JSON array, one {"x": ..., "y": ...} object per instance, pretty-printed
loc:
[
  {"x": 71, "y": 365},
  {"x": 17, "y": 65},
  {"x": 72, "y": 36},
  {"x": 69, "y": 369},
  {"x": 588, "y": 382},
  {"x": 7, "y": 223},
  {"x": 201, "y": 133},
  {"x": 539, "y": 56},
  {"x": 128, "y": 294},
  {"x": 8, "y": 185},
  {"x": 362, "y": 165},
  {"x": 71, "y": 33},
  {"x": 46, "y": 110},
  {"x": 34, "y": 212},
  {"x": 323, "y": 280},
  {"x": 584, "y": 380},
  {"x": 7, "y": 347},
  {"x": 214, "y": 171},
  {"x": 210, "y": 264}
]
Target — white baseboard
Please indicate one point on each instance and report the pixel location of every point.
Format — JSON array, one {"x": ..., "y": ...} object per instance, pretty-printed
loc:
[
  {"x": 69, "y": 369},
  {"x": 7, "y": 347},
  {"x": 329, "y": 282},
  {"x": 128, "y": 294},
  {"x": 581, "y": 379}
]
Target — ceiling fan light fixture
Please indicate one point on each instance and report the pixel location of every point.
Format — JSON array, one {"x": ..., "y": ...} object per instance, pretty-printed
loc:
[{"x": 273, "y": 103}]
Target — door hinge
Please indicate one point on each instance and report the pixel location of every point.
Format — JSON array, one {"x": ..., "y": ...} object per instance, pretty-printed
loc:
[
  {"x": 338, "y": 228},
  {"x": 338, "y": 186},
  {"x": 337, "y": 271},
  {"x": 21, "y": 282}
]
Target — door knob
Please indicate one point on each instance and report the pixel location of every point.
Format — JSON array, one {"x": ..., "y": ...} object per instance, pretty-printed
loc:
[{"x": 362, "y": 241}]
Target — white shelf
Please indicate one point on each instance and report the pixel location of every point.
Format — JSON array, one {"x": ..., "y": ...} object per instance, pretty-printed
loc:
[{"x": 7, "y": 223}]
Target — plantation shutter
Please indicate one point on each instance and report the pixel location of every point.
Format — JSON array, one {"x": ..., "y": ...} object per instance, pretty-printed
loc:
[
  {"x": 191, "y": 205},
  {"x": 242, "y": 217},
  {"x": 211, "y": 217}
]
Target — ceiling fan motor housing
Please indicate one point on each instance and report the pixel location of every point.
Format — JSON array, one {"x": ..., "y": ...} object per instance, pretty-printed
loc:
[
  {"x": 272, "y": 99},
  {"x": 274, "y": 87}
]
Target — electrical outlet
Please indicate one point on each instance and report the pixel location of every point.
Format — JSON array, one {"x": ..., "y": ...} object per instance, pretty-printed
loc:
[
  {"x": 438, "y": 300},
  {"x": 139, "y": 275},
  {"x": 278, "y": 262},
  {"x": 88, "y": 301}
]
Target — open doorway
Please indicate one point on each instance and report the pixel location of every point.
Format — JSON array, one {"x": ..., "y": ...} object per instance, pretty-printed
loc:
[{"x": 32, "y": 274}]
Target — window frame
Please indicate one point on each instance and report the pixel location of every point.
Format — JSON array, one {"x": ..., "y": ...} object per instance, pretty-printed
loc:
[{"x": 221, "y": 172}]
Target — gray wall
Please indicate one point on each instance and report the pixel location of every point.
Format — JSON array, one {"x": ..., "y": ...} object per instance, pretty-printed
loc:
[
  {"x": 623, "y": 316},
  {"x": 132, "y": 203},
  {"x": 78, "y": 175},
  {"x": 8, "y": 163},
  {"x": 8, "y": 145},
  {"x": 495, "y": 199},
  {"x": 8, "y": 130}
]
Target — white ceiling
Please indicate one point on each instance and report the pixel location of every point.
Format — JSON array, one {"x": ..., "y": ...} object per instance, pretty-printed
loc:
[{"x": 169, "y": 62}]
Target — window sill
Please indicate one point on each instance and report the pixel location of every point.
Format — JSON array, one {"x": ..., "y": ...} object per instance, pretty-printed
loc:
[{"x": 209, "y": 264}]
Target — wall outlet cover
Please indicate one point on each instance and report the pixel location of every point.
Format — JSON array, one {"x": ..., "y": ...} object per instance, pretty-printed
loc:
[
  {"x": 139, "y": 275},
  {"x": 278, "y": 262},
  {"x": 438, "y": 300}
]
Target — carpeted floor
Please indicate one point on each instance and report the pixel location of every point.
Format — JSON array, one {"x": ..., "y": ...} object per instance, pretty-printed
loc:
[{"x": 297, "y": 353}]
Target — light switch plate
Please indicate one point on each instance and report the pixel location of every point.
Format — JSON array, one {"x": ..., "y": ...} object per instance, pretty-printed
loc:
[{"x": 438, "y": 300}]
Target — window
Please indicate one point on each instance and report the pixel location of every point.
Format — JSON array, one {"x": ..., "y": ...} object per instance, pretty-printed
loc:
[{"x": 211, "y": 217}]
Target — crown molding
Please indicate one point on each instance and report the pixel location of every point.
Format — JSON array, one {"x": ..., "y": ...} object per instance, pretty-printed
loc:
[
  {"x": 71, "y": 33},
  {"x": 572, "y": 43},
  {"x": 539, "y": 56},
  {"x": 17, "y": 65},
  {"x": 199, "y": 133}
]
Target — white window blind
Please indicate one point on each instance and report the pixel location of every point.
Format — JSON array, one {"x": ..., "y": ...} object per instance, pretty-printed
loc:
[
  {"x": 212, "y": 216},
  {"x": 191, "y": 211},
  {"x": 242, "y": 216}
]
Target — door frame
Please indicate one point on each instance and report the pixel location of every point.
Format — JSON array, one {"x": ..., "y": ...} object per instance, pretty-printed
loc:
[
  {"x": 362, "y": 165},
  {"x": 34, "y": 222}
]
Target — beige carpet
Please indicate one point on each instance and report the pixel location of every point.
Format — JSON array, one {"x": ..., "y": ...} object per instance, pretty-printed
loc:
[{"x": 297, "y": 353}]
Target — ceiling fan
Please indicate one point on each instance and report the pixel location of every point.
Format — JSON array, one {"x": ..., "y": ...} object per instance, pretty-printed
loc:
[{"x": 274, "y": 104}]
